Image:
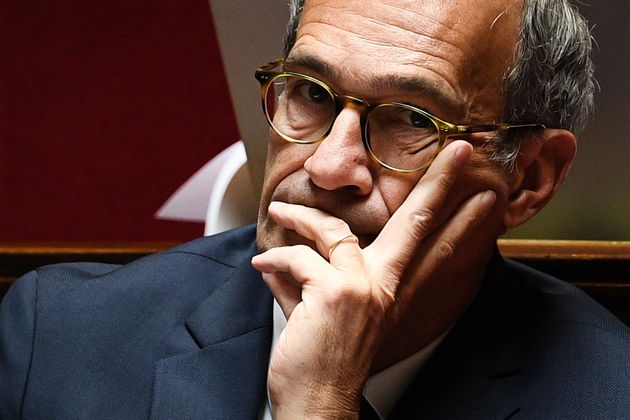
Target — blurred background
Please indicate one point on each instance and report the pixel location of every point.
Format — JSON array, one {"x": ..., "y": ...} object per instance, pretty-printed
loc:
[
  {"x": 107, "y": 107},
  {"x": 594, "y": 203}
]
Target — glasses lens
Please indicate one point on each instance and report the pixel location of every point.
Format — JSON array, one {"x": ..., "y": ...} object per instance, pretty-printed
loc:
[
  {"x": 299, "y": 108},
  {"x": 401, "y": 138}
]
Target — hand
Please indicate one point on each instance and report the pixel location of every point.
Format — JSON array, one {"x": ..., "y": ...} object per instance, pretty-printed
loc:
[{"x": 339, "y": 303}]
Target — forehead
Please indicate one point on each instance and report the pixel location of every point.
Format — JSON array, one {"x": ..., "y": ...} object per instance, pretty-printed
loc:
[{"x": 461, "y": 47}]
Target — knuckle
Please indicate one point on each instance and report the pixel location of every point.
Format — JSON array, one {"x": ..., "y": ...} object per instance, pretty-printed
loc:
[
  {"x": 420, "y": 222},
  {"x": 474, "y": 216},
  {"x": 301, "y": 251},
  {"x": 336, "y": 226},
  {"x": 348, "y": 293},
  {"x": 446, "y": 251},
  {"x": 442, "y": 180}
]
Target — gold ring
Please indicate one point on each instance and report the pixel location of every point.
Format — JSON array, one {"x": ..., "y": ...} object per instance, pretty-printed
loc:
[{"x": 336, "y": 244}]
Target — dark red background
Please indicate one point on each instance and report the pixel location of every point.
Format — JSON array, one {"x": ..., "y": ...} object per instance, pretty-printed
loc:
[{"x": 106, "y": 107}]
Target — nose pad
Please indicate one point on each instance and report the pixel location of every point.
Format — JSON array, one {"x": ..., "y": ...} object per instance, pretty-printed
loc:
[{"x": 341, "y": 160}]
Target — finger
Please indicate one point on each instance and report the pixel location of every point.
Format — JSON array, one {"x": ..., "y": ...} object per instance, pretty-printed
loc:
[
  {"x": 448, "y": 239},
  {"x": 414, "y": 219},
  {"x": 301, "y": 262},
  {"x": 286, "y": 292},
  {"x": 345, "y": 253},
  {"x": 328, "y": 232}
]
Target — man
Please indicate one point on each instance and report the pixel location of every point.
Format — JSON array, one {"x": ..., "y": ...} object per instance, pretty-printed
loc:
[{"x": 406, "y": 136}]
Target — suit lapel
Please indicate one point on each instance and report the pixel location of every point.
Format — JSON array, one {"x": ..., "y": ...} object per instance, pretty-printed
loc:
[
  {"x": 478, "y": 370},
  {"x": 226, "y": 377}
]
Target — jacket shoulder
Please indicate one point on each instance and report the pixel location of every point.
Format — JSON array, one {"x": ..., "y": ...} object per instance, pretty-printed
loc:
[
  {"x": 228, "y": 248},
  {"x": 189, "y": 270},
  {"x": 557, "y": 300},
  {"x": 574, "y": 351},
  {"x": 118, "y": 320}
]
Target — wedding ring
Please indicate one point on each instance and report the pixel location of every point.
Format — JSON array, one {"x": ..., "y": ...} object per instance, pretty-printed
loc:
[{"x": 336, "y": 244}]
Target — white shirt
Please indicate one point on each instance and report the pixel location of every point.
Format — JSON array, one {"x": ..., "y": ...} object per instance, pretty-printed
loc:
[{"x": 383, "y": 389}]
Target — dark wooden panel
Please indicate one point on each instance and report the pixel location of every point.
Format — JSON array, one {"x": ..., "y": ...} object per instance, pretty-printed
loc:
[
  {"x": 5, "y": 283},
  {"x": 602, "y": 269},
  {"x": 18, "y": 259}
]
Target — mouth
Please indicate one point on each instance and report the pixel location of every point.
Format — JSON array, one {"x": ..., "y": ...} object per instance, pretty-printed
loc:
[
  {"x": 293, "y": 238},
  {"x": 365, "y": 215}
]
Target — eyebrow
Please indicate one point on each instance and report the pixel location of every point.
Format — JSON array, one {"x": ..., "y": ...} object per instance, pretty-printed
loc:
[{"x": 417, "y": 86}]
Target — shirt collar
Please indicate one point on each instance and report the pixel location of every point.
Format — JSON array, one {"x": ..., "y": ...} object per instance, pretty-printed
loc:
[{"x": 384, "y": 389}]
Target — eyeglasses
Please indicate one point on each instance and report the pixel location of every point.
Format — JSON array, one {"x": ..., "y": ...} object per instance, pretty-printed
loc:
[{"x": 399, "y": 136}]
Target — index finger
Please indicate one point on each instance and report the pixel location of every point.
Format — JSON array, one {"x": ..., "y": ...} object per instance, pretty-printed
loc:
[
  {"x": 328, "y": 232},
  {"x": 412, "y": 221}
]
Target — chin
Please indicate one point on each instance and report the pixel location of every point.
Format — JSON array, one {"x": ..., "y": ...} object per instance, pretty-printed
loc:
[
  {"x": 271, "y": 235},
  {"x": 265, "y": 234}
]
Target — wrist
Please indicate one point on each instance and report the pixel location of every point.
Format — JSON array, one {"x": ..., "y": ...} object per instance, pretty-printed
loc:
[{"x": 315, "y": 401}]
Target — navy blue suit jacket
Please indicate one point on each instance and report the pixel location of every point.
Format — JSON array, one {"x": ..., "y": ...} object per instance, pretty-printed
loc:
[{"x": 186, "y": 334}]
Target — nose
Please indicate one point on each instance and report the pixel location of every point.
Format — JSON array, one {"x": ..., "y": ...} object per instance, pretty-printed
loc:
[{"x": 340, "y": 160}]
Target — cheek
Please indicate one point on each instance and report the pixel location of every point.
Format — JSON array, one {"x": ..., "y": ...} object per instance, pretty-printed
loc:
[
  {"x": 395, "y": 188},
  {"x": 283, "y": 159},
  {"x": 275, "y": 148},
  {"x": 480, "y": 175}
]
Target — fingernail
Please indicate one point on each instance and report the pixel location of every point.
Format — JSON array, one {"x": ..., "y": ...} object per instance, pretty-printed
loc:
[
  {"x": 462, "y": 154},
  {"x": 488, "y": 198},
  {"x": 276, "y": 205}
]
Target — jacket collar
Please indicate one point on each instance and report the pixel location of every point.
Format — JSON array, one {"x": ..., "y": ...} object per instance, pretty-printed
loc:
[
  {"x": 242, "y": 304},
  {"x": 478, "y": 370},
  {"x": 226, "y": 376}
]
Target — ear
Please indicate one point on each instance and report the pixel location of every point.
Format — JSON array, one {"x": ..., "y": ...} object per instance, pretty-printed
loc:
[{"x": 541, "y": 168}]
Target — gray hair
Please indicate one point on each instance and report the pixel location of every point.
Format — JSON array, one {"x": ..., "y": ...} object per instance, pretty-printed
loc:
[{"x": 551, "y": 80}]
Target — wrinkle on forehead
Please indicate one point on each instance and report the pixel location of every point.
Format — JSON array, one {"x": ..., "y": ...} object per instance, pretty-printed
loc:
[
  {"x": 348, "y": 50},
  {"x": 378, "y": 82},
  {"x": 463, "y": 45},
  {"x": 396, "y": 29}
]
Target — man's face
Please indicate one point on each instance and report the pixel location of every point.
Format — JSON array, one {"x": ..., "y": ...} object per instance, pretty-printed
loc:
[{"x": 458, "y": 48}]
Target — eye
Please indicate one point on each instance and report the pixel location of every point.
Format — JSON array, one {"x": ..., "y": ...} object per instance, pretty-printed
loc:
[
  {"x": 314, "y": 92},
  {"x": 420, "y": 121}
]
